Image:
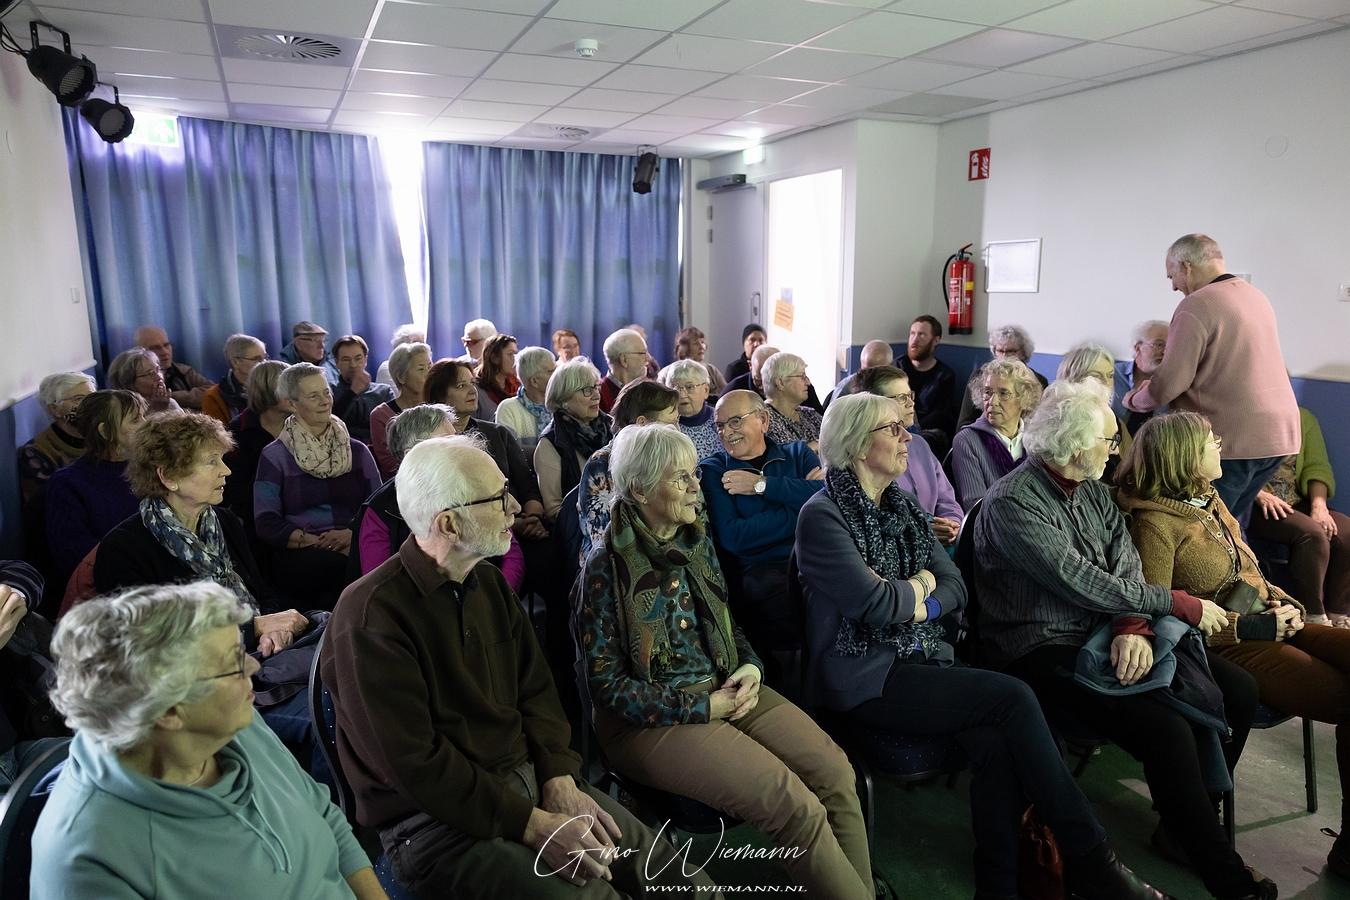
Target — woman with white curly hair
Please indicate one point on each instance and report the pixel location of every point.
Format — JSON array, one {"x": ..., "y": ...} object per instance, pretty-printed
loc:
[
  {"x": 991, "y": 447},
  {"x": 173, "y": 788}
]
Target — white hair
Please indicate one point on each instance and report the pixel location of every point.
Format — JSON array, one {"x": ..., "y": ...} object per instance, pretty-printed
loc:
[
  {"x": 54, "y": 387},
  {"x": 1067, "y": 421},
  {"x": 236, "y": 345},
  {"x": 401, "y": 360},
  {"x": 640, "y": 457},
  {"x": 780, "y": 365},
  {"x": 479, "y": 329},
  {"x": 413, "y": 426},
  {"x": 1196, "y": 249},
  {"x": 1013, "y": 334},
  {"x": 123, "y": 660},
  {"x": 1140, "y": 332},
  {"x": 1078, "y": 361},
  {"x": 683, "y": 369},
  {"x": 408, "y": 334},
  {"x": 617, "y": 343},
  {"x": 567, "y": 379},
  {"x": 1025, "y": 384},
  {"x": 431, "y": 479},
  {"x": 762, "y": 352},
  {"x": 532, "y": 361},
  {"x": 288, "y": 382},
  {"x": 846, "y": 432}
]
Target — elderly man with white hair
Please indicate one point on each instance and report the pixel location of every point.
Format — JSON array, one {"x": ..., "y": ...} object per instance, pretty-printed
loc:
[
  {"x": 626, "y": 353},
  {"x": 786, "y": 387},
  {"x": 1062, "y": 589},
  {"x": 476, "y": 334},
  {"x": 526, "y": 414},
  {"x": 228, "y": 397},
  {"x": 1149, "y": 340},
  {"x": 448, "y": 722},
  {"x": 185, "y": 384},
  {"x": 1005, "y": 342}
]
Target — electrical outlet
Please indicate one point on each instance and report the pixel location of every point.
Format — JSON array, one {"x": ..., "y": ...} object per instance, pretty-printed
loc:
[{"x": 1344, "y": 294}]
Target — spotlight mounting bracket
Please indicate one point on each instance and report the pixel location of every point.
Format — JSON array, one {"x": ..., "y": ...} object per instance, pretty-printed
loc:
[{"x": 33, "y": 33}]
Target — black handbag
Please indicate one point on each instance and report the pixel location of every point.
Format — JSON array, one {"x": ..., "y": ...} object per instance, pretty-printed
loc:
[{"x": 286, "y": 672}]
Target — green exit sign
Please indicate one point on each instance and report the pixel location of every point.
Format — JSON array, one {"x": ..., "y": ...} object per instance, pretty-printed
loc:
[{"x": 158, "y": 130}]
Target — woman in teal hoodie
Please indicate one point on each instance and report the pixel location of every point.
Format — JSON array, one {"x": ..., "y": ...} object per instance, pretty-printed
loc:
[{"x": 174, "y": 789}]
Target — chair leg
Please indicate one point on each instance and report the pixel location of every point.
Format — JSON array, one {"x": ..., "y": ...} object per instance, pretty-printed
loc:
[
  {"x": 1082, "y": 763},
  {"x": 866, "y": 797},
  {"x": 1230, "y": 818},
  {"x": 1309, "y": 765}
]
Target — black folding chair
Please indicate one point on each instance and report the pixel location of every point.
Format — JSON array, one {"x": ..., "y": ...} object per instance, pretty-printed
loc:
[{"x": 19, "y": 813}]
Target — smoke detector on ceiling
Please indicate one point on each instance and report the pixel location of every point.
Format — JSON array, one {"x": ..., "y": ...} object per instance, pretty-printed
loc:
[
  {"x": 280, "y": 46},
  {"x": 586, "y": 47}
]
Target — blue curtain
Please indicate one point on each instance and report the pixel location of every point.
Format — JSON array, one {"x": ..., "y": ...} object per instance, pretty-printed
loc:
[
  {"x": 537, "y": 240},
  {"x": 242, "y": 228}
]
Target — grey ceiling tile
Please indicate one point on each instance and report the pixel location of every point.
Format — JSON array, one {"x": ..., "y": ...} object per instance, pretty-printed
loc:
[
  {"x": 520, "y": 7},
  {"x": 1001, "y": 85},
  {"x": 1174, "y": 62},
  {"x": 751, "y": 87},
  {"x": 379, "y": 121},
  {"x": 443, "y": 86},
  {"x": 182, "y": 10},
  {"x": 695, "y": 144},
  {"x": 1213, "y": 28},
  {"x": 369, "y": 101},
  {"x": 501, "y": 112},
  {"x": 750, "y": 130},
  {"x": 913, "y": 75},
  {"x": 548, "y": 69},
  {"x": 283, "y": 96},
  {"x": 1091, "y": 60},
  {"x": 846, "y": 97},
  {"x": 178, "y": 88},
  {"x": 262, "y": 71},
  {"x": 812, "y": 64},
  {"x": 781, "y": 21},
  {"x": 932, "y": 104},
  {"x": 1313, "y": 9},
  {"x": 443, "y": 26},
  {"x": 618, "y": 101},
  {"x": 201, "y": 109},
  {"x": 450, "y": 123},
  {"x": 422, "y": 58},
  {"x": 669, "y": 124},
  {"x": 693, "y": 51},
  {"x": 349, "y": 18},
  {"x": 656, "y": 79},
  {"x": 281, "y": 115},
  {"x": 106, "y": 30},
  {"x": 780, "y": 114},
  {"x": 894, "y": 35},
  {"x": 1293, "y": 34},
  {"x": 557, "y": 37},
  {"x": 518, "y": 92},
  {"x": 149, "y": 62},
  {"x": 1097, "y": 19},
  {"x": 999, "y": 47},
  {"x": 585, "y": 118},
  {"x": 980, "y": 12},
  {"x": 666, "y": 15},
  {"x": 709, "y": 107}
]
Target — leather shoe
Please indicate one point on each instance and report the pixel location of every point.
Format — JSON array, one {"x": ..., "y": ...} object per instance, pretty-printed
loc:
[
  {"x": 1100, "y": 875},
  {"x": 1338, "y": 860},
  {"x": 1262, "y": 888}
]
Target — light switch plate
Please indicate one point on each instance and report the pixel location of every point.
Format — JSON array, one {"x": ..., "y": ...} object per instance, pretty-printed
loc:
[{"x": 1344, "y": 294}]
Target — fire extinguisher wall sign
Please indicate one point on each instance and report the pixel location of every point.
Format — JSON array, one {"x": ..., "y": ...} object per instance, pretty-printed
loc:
[{"x": 958, "y": 279}]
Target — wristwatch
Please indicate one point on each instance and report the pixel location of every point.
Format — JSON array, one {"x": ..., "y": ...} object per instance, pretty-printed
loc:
[{"x": 761, "y": 485}]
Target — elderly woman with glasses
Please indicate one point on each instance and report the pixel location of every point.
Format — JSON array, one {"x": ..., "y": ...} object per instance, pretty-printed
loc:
[
  {"x": 578, "y": 429},
  {"x": 692, "y": 344},
  {"x": 311, "y": 481},
  {"x": 138, "y": 370},
  {"x": 60, "y": 444},
  {"x": 690, "y": 379},
  {"x": 526, "y": 414},
  {"x": 173, "y": 787},
  {"x": 228, "y": 397},
  {"x": 676, "y": 688},
  {"x": 1005, "y": 342},
  {"x": 408, "y": 367},
  {"x": 991, "y": 447},
  {"x": 875, "y": 582},
  {"x": 1094, "y": 365},
  {"x": 786, "y": 389}
]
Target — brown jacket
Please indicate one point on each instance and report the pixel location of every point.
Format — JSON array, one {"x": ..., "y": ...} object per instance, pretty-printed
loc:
[
  {"x": 441, "y": 690},
  {"x": 1183, "y": 547}
]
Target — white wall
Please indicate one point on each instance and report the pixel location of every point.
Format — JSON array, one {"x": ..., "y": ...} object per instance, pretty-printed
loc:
[
  {"x": 42, "y": 313},
  {"x": 1110, "y": 177}
]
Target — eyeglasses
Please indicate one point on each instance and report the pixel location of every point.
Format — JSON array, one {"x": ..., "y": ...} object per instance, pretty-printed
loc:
[
  {"x": 589, "y": 390},
  {"x": 496, "y": 498},
  {"x": 798, "y": 375},
  {"x": 893, "y": 427},
  {"x": 684, "y": 480},
  {"x": 253, "y": 359},
  {"x": 1003, "y": 395},
  {"x": 688, "y": 387},
  {"x": 241, "y": 671},
  {"x": 1217, "y": 443},
  {"x": 1113, "y": 441},
  {"x": 1156, "y": 345},
  {"x": 734, "y": 423},
  {"x": 906, "y": 399},
  {"x": 151, "y": 374}
]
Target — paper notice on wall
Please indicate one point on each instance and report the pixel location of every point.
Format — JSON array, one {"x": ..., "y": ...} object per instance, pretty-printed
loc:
[
  {"x": 782, "y": 314},
  {"x": 1012, "y": 267}
]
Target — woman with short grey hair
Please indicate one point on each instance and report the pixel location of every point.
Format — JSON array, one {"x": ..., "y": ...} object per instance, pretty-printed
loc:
[
  {"x": 403, "y": 334},
  {"x": 526, "y": 414},
  {"x": 60, "y": 444},
  {"x": 676, "y": 687},
  {"x": 691, "y": 379},
  {"x": 578, "y": 429},
  {"x": 138, "y": 370},
  {"x": 409, "y": 365},
  {"x": 876, "y": 582},
  {"x": 168, "y": 759},
  {"x": 991, "y": 446},
  {"x": 1095, "y": 365},
  {"x": 786, "y": 389}
]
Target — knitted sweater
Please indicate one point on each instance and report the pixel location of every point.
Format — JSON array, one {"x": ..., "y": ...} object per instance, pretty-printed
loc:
[
  {"x": 1312, "y": 463},
  {"x": 1223, "y": 359},
  {"x": 286, "y": 498},
  {"x": 85, "y": 500},
  {"x": 51, "y": 450}
]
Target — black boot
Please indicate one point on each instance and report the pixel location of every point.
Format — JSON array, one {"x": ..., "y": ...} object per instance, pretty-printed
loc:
[
  {"x": 1262, "y": 887},
  {"x": 1099, "y": 875},
  {"x": 1338, "y": 860}
]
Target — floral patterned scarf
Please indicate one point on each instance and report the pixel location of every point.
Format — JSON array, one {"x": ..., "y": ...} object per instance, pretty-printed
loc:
[
  {"x": 326, "y": 456},
  {"x": 204, "y": 553}
]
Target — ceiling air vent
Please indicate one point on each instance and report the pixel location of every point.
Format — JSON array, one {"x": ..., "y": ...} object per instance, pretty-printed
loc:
[
  {"x": 555, "y": 132},
  {"x": 267, "y": 44}
]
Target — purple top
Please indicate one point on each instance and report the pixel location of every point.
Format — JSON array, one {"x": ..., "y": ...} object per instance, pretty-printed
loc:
[
  {"x": 285, "y": 498},
  {"x": 925, "y": 480},
  {"x": 85, "y": 500}
]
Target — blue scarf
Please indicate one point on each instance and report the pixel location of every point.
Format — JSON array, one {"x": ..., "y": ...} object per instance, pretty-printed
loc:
[
  {"x": 538, "y": 410},
  {"x": 204, "y": 553}
]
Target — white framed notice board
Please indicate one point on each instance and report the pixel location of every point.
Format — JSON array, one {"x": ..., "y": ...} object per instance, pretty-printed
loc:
[{"x": 1012, "y": 267}]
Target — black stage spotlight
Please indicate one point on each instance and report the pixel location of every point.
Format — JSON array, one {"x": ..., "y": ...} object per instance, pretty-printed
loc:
[
  {"x": 70, "y": 79},
  {"x": 112, "y": 121},
  {"x": 644, "y": 173}
]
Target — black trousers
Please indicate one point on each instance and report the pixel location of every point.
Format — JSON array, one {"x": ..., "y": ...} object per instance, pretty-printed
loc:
[{"x": 1164, "y": 741}]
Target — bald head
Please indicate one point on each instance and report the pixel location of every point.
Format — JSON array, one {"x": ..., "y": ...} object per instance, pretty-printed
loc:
[
  {"x": 156, "y": 340},
  {"x": 875, "y": 353}
]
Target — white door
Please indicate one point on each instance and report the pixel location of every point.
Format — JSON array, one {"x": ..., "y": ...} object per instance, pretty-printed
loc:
[{"x": 736, "y": 269}]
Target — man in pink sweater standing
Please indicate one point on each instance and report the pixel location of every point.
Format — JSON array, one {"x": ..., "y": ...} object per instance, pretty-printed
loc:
[{"x": 1223, "y": 360}]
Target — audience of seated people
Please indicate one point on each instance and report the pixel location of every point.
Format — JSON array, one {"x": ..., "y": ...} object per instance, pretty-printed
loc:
[
  {"x": 991, "y": 447},
  {"x": 228, "y": 397},
  {"x": 496, "y": 375},
  {"x": 578, "y": 430},
  {"x": 1057, "y": 574},
  {"x": 1092, "y": 364},
  {"x": 251, "y": 432},
  {"x": 696, "y": 415},
  {"x": 311, "y": 481},
  {"x": 1292, "y": 510},
  {"x": 566, "y": 344},
  {"x": 526, "y": 414},
  {"x": 1005, "y": 342},
  {"x": 408, "y": 367},
  {"x": 692, "y": 343},
  {"x": 476, "y": 335},
  {"x": 307, "y": 345},
  {"x": 186, "y": 385},
  {"x": 173, "y": 787},
  {"x": 786, "y": 388},
  {"x": 933, "y": 383},
  {"x": 1188, "y": 540},
  {"x": 90, "y": 497},
  {"x": 137, "y": 370},
  {"x": 355, "y": 395},
  {"x": 626, "y": 354},
  {"x": 403, "y": 334},
  {"x": 449, "y": 726},
  {"x": 676, "y": 688},
  {"x": 875, "y": 582},
  {"x": 752, "y": 336}
]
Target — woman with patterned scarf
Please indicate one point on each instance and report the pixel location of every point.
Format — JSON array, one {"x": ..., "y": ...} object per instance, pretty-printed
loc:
[
  {"x": 311, "y": 481},
  {"x": 875, "y": 582},
  {"x": 675, "y": 686}
]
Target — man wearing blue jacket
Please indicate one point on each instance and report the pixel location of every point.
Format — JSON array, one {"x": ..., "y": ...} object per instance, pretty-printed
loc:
[{"x": 754, "y": 489}]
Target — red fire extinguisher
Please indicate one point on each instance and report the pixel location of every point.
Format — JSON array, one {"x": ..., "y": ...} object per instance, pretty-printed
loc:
[{"x": 958, "y": 278}]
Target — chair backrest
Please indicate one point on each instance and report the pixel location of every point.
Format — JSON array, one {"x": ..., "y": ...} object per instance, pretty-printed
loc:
[
  {"x": 323, "y": 721},
  {"x": 19, "y": 813},
  {"x": 967, "y": 643},
  {"x": 567, "y": 531}
]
